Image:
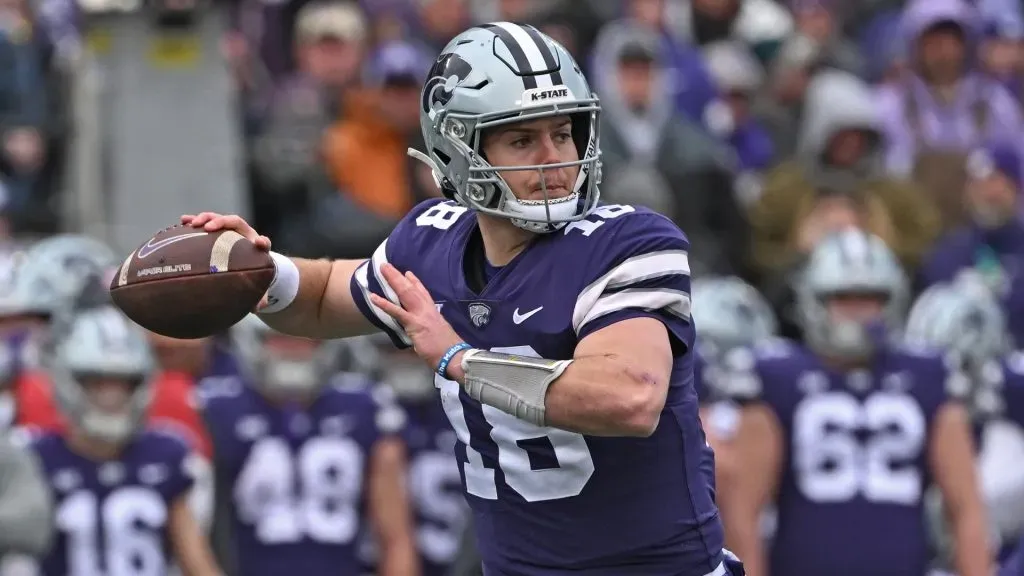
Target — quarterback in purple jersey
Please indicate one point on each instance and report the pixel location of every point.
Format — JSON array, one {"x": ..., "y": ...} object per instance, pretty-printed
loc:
[
  {"x": 121, "y": 492},
  {"x": 559, "y": 328},
  {"x": 303, "y": 459},
  {"x": 847, "y": 431}
]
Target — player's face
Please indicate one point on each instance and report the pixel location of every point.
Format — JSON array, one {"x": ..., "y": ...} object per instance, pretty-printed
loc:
[
  {"x": 290, "y": 365},
  {"x": 109, "y": 396},
  {"x": 537, "y": 142},
  {"x": 861, "y": 308}
]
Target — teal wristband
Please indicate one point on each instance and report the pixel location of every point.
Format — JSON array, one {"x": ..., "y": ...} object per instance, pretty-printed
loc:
[{"x": 442, "y": 366}]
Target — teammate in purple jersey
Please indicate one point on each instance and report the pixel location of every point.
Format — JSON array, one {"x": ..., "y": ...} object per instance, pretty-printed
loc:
[
  {"x": 559, "y": 328},
  {"x": 121, "y": 493},
  {"x": 728, "y": 313},
  {"x": 303, "y": 461},
  {"x": 435, "y": 484},
  {"x": 846, "y": 432}
]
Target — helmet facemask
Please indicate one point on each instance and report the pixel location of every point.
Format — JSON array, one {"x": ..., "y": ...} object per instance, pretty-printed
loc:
[{"x": 470, "y": 178}]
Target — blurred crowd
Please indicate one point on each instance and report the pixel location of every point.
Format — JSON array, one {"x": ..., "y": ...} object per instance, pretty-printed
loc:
[{"x": 758, "y": 126}]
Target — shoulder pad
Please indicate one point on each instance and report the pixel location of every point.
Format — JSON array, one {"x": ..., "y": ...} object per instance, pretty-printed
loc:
[
  {"x": 213, "y": 387},
  {"x": 920, "y": 350},
  {"x": 739, "y": 379},
  {"x": 774, "y": 349},
  {"x": 351, "y": 382},
  {"x": 431, "y": 215},
  {"x": 1015, "y": 363},
  {"x": 390, "y": 419},
  {"x": 169, "y": 434}
]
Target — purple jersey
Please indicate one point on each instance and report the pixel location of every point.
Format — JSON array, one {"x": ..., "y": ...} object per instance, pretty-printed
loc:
[
  {"x": 297, "y": 476},
  {"x": 547, "y": 501},
  {"x": 856, "y": 456},
  {"x": 435, "y": 486},
  {"x": 1012, "y": 387},
  {"x": 111, "y": 517}
]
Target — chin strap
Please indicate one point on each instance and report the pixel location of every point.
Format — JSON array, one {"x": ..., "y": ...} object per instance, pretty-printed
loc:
[{"x": 435, "y": 170}]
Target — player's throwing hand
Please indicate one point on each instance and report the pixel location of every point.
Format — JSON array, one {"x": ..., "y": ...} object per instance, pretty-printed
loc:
[{"x": 430, "y": 333}]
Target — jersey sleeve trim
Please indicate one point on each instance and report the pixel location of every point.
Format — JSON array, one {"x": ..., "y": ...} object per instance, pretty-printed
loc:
[
  {"x": 620, "y": 288},
  {"x": 375, "y": 283}
]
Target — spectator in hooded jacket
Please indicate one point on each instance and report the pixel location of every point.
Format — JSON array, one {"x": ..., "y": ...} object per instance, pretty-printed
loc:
[
  {"x": 836, "y": 180},
  {"x": 992, "y": 243},
  {"x": 658, "y": 158},
  {"x": 943, "y": 108}
]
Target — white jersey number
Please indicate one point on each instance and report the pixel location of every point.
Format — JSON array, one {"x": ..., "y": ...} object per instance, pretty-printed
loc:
[
  {"x": 575, "y": 465},
  {"x": 588, "y": 226},
  {"x": 441, "y": 215},
  {"x": 132, "y": 520},
  {"x": 832, "y": 465},
  {"x": 328, "y": 473},
  {"x": 431, "y": 474}
]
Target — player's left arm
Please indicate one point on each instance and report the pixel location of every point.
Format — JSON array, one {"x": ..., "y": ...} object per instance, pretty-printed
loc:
[
  {"x": 951, "y": 456},
  {"x": 389, "y": 509},
  {"x": 191, "y": 548},
  {"x": 617, "y": 382}
]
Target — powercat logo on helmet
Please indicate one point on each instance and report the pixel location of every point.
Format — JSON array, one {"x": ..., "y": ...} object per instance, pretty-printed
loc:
[
  {"x": 546, "y": 95},
  {"x": 445, "y": 75}
]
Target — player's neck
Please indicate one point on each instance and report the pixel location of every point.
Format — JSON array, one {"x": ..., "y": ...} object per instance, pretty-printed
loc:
[
  {"x": 502, "y": 240},
  {"x": 92, "y": 449},
  {"x": 844, "y": 365}
]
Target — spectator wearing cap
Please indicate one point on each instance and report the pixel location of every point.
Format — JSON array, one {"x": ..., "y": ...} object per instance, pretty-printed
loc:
[
  {"x": 686, "y": 78},
  {"x": 656, "y": 157},
  {"x": 739, "y": 76},
  {"x": 329, "y": 49},
  {"x": 365, "y": 152},
  {"x": 992, "y": 242}
]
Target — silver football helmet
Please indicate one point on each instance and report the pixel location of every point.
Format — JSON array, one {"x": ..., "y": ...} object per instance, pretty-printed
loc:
[
  {"x": 850, "y": 262},
  {"x": 101, "y": 344},
  {"x": 728, "y": 312},
  {"x": 53, "y": 274},
  {"x": 498, "y": 74},
  {"x": 305, "y": 368},
  {"x": 962, "y": 316}
]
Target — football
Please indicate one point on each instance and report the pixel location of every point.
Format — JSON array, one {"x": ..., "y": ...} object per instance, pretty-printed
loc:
[{"x": 187, "y": 283}]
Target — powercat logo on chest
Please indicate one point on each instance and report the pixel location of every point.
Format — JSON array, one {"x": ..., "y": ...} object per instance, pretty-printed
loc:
[{"x": 535, "y": 96}]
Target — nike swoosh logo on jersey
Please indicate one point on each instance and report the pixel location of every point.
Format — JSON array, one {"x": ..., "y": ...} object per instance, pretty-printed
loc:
[
  {"x": 150, "y": 247},
  {"x": 518, "y": 318}
]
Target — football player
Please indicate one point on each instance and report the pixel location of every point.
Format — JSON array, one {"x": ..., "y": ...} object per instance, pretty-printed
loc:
[
  {"x": 559, "y": 328},
  {"x": 120, "y": 491},
  {"x": 846, "y": 431},
  {"x": 966, "y": 319},
  {"x": 51, "y": 276},
  {"x": 302, "y": 461},
  {"x": 435, "y": 487},
  {"x": 26, "y": 515},
  {"x": 728, "y": 313}
]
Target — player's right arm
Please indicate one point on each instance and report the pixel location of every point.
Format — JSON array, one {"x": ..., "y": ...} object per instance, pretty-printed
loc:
[
  {"x": 322, "y": 305},
  {"x": 758, "y": 447}
]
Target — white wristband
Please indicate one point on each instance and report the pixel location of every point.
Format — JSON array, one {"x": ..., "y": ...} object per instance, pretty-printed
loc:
[{"x": 285, "y": 287}]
